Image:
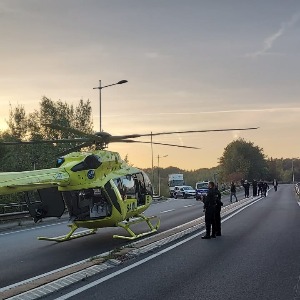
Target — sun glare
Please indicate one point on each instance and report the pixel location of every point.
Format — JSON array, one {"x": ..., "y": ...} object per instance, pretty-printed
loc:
[{"x": 3, "y": 125}]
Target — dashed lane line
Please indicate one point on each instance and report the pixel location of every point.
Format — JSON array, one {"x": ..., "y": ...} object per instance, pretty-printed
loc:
[{"x": 166, "y": 211}]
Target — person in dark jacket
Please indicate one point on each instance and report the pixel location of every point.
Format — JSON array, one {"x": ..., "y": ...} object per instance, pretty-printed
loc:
[
  {"x": 254, "y": 186},
  {"x": 260, "y": 188},
  {"x": 275, "y": 184},
  {"x": 219, "y": 205},
  {"x": 233, "y": 192},
  {"x": 265, "y": 187},
  {"x": 247, "y": 188},
  {"x": 210, "y": 202}
]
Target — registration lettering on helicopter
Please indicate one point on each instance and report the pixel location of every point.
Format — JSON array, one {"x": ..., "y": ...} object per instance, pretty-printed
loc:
[
  {"x": 132, "y": 206},
  {"x": 59, "y": 176}
]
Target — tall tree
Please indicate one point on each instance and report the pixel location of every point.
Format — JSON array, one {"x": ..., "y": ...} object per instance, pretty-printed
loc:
[
  {"x": 17, "y": 122},
  {"x": 243, "y": 159},
  {"x": 29, "y": 127}
]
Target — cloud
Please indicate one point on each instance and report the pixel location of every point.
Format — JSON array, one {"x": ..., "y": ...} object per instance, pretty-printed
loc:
[
  {"x": 155, "y": 55},
  {"x": 277, "y": 109},
  {"x": 270, "y": 40},
  {"x": 152, "y": 55}
]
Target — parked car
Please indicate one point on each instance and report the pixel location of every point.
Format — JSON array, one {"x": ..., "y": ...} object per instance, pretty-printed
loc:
[
  {"x": 184, "y": 191},
  {"x": 201, "y": 190}
]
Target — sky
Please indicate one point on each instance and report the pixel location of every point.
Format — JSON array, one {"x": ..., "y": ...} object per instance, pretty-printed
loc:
[{"x": 190, "y": 65}]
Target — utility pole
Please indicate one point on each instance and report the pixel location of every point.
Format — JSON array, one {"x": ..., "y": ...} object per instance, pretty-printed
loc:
[{"x": 158, "y": 171}]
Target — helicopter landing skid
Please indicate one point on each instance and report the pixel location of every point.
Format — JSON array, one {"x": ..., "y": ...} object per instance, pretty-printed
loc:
[
  {"x": 139, "y": 219},
  {"x": 70, "y": 235}
]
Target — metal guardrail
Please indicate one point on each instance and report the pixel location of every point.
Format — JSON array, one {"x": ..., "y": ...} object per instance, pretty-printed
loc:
[
  {"x": 14, "y": 216},
  {"x": 13, "y": 211},
  {"x": 13, "y": 207}
]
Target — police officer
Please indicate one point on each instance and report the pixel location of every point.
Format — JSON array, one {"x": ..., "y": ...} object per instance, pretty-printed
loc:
[
  {"x": 210, "y": 202},
  {"x": 219, "y": 205},
  {"x": 246, "y": 187}
]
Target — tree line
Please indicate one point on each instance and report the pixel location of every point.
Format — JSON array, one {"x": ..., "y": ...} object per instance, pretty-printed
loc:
[{"x": 240, "y": 160}]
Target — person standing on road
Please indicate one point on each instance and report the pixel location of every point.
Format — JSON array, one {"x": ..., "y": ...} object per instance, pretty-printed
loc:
[
  {"x": 247, "y": 188},
  {"x": 265, "y": 187},
  {"x": 210, "y": 202},
  {"x": 254, "y": 186},
  {"x": 233, "y": 192},
  {"x": 219, "y": 205},
  {"x": 275, "y": 184},
  {"x": 260, "y": 187}
]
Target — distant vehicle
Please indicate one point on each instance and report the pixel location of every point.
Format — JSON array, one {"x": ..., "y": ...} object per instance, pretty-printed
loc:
[
  {"x": 184, "y": 191},
  {"x": 174, "y": 180},
  {"x": 201, "y": 189}
]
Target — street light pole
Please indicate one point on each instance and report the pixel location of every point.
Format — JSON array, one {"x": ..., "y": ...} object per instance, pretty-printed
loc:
[
  {"x": 100, "y": 118},
  {"x": 100, "y": 88},
  {"x": 158, "y": 157}
]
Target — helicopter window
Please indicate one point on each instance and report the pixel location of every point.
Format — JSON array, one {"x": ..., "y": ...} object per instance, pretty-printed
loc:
[
  {"x": 59, "y": 161},
  {"x": 126, "y": 186},
  {"x": 90, "y": 162},
  {"x": 128, "y": 182},
  {"x": 140, "y": 190},
  {"x": 122, "y": 189},
  {"x": 148, "y": 185}
]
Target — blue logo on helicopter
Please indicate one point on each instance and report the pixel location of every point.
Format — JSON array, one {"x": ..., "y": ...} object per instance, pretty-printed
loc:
[{"x": 91, "y": 174}]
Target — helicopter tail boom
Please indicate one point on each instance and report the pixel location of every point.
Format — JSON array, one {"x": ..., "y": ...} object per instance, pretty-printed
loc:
[{"x": 14, "y": 182}]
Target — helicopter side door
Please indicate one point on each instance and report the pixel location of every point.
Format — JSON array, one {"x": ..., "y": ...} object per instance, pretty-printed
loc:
[{"x": 50, "y": 204}]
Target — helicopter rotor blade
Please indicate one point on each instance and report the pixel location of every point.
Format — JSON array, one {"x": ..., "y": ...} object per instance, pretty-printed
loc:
[
  {"x": 164, "y": 144},
  {"x": 187, "y": 131},
  {"x": 101, "y": 139},
  {"x": 45, "y": 141},
  {"x": 107, "y": 138},
  {"x": 98, "y": 137},
  {"x": 73, "y": 149},
  {"x": 68, "y": 129}
]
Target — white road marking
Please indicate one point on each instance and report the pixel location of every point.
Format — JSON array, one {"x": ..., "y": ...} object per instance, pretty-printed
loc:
[
  {"x": 189, "y": 205},
  {"x": 166, "y": 211}
]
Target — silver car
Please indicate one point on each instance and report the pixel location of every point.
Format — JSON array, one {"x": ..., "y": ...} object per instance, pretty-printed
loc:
[{"x": 184, "y": 191}]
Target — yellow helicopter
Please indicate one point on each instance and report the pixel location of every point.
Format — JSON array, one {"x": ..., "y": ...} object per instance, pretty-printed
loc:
[{"x": 97, "y": 187}]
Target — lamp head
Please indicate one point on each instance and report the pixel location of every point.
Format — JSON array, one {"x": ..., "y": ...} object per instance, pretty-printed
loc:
[{"x": 122, "y": 81}]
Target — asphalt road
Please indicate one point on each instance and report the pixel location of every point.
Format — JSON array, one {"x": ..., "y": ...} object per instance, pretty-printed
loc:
[
  {"x": 22, "y": 256},
  {"x": 257, "y": 257}
]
